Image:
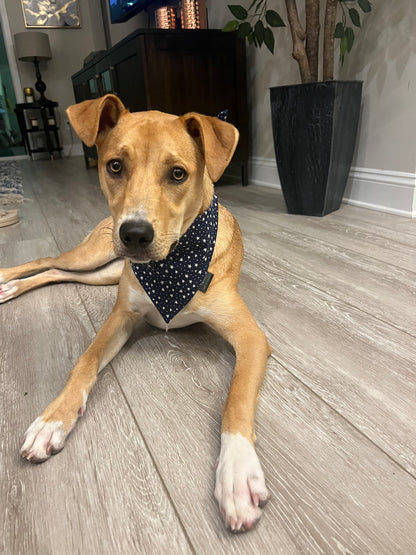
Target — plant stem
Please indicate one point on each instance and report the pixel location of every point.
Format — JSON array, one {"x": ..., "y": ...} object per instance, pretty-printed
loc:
[
  {"x": 312, "y": 36},
  {"x": 298, "y": 39},
  {"x": 344, "y": 15},
  {"x": 329, "y": 29}
]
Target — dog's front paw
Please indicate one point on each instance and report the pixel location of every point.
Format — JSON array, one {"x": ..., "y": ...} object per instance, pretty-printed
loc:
[
  {"x": 240, "y": 488},
  {"x": 8, "y": 291},
  {"x": 42, "y": 439}
]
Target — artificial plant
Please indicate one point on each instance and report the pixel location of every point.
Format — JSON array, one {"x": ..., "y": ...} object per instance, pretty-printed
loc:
[{"x": 257, "y": 21}]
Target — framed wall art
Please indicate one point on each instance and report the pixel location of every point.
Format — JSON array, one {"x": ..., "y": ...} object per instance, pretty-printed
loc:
[{"x": 52, "y": 14}]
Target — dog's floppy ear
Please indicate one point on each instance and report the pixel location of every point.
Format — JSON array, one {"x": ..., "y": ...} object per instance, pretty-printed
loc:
[
  {"x": 92, "y": 117},
  {"x": 217, "y": 140}
]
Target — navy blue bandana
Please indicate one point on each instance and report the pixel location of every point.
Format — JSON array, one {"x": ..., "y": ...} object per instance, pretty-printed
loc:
[{"x": 171, "y": 283}]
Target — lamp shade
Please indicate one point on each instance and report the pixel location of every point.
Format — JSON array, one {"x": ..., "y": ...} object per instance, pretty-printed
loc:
[{"x": 31, "y": 44}]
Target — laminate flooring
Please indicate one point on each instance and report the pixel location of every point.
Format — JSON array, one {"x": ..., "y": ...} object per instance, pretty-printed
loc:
[{"x": 336, "y": 422}]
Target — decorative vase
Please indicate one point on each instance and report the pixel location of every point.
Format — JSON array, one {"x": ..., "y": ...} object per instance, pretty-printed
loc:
[{"x": 314, "y": 131}]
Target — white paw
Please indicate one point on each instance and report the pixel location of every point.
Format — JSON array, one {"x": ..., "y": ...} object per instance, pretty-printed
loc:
[
  {"x": 7, "y": 291},
  {"x": 240, "y": 489},
  {"x": 42, "y": 439}
]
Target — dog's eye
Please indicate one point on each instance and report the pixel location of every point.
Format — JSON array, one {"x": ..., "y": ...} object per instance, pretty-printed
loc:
[
  {"x": 179, "y": 175},
  {"x": 114, "y": 166}
]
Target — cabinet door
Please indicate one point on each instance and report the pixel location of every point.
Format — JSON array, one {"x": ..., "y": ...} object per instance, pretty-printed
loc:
[
  {"x": 93, "y": 88},
  {"x": 201, "y": 71},
  {"x": 121, "y": 73},
  {"x": 86, "y": 85},
  {"x": 191, "y": 71}
]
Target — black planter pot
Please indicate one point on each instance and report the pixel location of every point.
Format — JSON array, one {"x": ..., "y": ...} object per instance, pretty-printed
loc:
[{"x": 314, "y": 131}]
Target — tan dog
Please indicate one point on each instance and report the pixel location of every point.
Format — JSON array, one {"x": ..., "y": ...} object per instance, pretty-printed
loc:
[{"x": 156, "y": 171}]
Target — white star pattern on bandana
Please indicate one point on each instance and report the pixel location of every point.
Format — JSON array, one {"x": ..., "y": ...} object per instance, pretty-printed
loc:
[{"x": 171, "y": 283}]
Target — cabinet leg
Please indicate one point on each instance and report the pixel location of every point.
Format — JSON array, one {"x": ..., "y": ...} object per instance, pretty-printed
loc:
[{"x": 244, "y": 174}]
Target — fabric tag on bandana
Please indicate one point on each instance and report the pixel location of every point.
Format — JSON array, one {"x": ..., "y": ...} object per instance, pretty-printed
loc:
[
  {"x": 206, "y": 282},
  {"x": 171, "y": 283}
]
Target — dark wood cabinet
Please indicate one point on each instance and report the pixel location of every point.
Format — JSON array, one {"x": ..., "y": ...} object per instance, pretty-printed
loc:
[{"x": 175, "y": 71}]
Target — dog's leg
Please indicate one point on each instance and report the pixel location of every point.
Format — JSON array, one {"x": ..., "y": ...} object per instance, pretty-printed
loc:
[
  {"x": 240, "y": 488},
  {"x": 95, "y": 251},
  {"x": 46, "y": 435},
  {"x": 105, "y": 275}
]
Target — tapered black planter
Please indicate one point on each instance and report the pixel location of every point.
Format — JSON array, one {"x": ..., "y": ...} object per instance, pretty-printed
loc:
[{"x": 314, "y": 131}]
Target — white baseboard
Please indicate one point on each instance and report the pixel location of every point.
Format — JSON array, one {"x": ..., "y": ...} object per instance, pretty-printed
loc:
[
  {"x": 14, "y": 158},
  {"x": 386, "y": 191},
  {"x": 74, "y": 150},
  {"x": 263, "y": 171}
]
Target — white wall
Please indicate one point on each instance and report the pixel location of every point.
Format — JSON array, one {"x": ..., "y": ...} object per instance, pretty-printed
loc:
[
  {"x": 384, "y": 57},
  {"x": 120, "y": 30}
]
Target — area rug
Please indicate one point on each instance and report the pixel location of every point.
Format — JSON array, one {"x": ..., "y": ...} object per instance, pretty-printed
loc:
[{"x": 11, "y": 184}]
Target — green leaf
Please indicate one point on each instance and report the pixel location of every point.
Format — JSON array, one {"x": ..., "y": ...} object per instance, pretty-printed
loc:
[
  {"x": 339, "y": 31},
  {"x": 274, "y": 19},
  {"x": 238, "y": 11},
  {"x": 244, "y": 30},
  {"x": 365, "y": 5},
  {"x": 355, "y": 17},
  {"x": 231, "y": 26},
  {"x": 250, "y": 38},
  {"x": 349, "y": 33},
  {"x": 269, "y": 39},
  {"x": 259, "y": 32}
]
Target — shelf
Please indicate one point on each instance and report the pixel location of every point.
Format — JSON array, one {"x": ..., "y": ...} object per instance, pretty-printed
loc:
[
  {"x": 40, "y": 150},
  {"x": 36, "y": 106},
  {"x": 41, "y": 130},
  {"x": 50, "y": 142}
]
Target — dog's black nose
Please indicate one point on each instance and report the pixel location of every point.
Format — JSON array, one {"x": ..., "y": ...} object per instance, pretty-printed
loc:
[{"x": 136, "y": 234}]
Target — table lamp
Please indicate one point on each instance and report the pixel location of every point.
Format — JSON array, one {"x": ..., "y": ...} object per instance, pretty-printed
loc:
[{"x": 32, "y": 46}]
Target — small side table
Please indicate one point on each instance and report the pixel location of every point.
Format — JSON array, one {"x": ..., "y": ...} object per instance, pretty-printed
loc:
[{"x": 39, "y": 128}]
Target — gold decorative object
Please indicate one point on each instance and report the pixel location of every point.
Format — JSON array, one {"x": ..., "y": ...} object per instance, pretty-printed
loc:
[
  {"x": 29, "y": 94},
  {"x": 165, "y": 17},
  {"x": 190, "y": 14}
]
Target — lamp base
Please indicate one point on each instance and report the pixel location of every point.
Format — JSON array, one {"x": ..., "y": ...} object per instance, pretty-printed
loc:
[{"x": 40, "y": 86}]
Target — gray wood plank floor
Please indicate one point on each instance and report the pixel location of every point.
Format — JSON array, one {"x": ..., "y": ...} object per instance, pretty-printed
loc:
[{"x": 336, "y": 423}]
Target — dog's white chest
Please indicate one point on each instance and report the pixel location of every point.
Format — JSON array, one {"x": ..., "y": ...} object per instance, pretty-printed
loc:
[{"x": 141, "y": 303}]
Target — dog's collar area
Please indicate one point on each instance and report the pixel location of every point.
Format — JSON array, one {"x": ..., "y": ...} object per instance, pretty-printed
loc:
[{"x": 171, "y": 283}]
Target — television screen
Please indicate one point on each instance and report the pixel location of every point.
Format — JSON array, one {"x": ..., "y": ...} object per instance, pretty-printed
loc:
[{"x": 122, "y": 10}]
